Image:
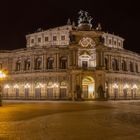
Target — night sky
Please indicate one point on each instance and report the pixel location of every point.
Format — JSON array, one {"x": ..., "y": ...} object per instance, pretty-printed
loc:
[{"x": 21, "y": 17}]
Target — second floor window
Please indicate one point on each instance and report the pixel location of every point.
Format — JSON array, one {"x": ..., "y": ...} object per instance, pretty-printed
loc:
[
  {"x": 124, "y": 66},
  {"x": 63, "y": 62},
  {"x": 18, "y": 65},
  {"x": 50, "y": 62},
  {"x": 115, "y": 64},
  {"x": 131, "y": 67},
  {"x": 136, "y": 67},
  {"x": 106, "y": 64},
  {"x": 27, "y": 64},
  {"x": 38, "y": 63}
]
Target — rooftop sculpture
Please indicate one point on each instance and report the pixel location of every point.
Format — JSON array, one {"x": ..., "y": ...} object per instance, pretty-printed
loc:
[{"x": 84, "y": 17}]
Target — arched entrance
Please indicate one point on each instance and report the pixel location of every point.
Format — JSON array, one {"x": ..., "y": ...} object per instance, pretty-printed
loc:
[{"x": 88, "y": 87}]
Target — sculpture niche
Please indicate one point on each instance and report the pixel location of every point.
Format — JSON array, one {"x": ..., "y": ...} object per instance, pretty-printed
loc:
[{"x": 84, "y": 21}]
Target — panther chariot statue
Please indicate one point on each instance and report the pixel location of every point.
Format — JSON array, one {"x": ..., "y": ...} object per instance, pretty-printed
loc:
[{"x": 84, "y": 21}]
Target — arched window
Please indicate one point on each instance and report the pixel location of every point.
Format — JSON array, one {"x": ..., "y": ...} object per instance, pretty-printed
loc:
[
  {"x": 63, "y": 90},
  {"x": 136, "y": 67},
  {"x": 115, "y": 65},
  {"x": 27, "y": 64},
  {"x": 18, "y": 65},
  {"x": 38, "y": 62},
  {"x": 124, "y": 67},
  {"x": 50, "y": 62},
  {"x": 131, "y": 67},
  {"x": 106, "y": 64},
  {"x": 63, "y": 62}
]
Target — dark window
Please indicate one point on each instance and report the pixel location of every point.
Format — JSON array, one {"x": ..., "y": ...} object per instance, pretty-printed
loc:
[
  {"x": 115, "y": 42},
  {"x": 136, "y": 67},
  {"x": 131, "y": 67},
  {"x": 119, "y": 44},
  {"x": 37, "y": 92},
  {"x": 39, "y": 40},
  {"x": 49, "y": 93},
  {"x": 32, "y": 41},
  {"x": 63, "y": 92},
  {"x": 115, "y": 65},
  {"x": 63, "y": 37},
  {"x": 50, "y": 62},
  {"x": 124, "y": 66},
  {"x": 46, "y": 38},
  {"x": 125, "y": 93},
  {"x": 38, "y": 62},
  {"x": 110, "y": 41},
  {"x": 84, "y": 64},
  {"x": 27, "y": 64},
  {"x": 17, "y": 92},
  {"x": 54, "y": 38},
  {"x": 26, "y": 92},
  {"x": 106, "y": 64},
  {"x": 18, "y": 65},
  {"x": 63, "y": 62}
]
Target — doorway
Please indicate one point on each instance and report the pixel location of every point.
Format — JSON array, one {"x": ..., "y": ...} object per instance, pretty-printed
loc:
[{"x": 88, "y": 88}]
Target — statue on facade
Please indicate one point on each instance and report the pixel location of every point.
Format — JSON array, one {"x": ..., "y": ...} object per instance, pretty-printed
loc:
[{"x": 84, "y": 17}]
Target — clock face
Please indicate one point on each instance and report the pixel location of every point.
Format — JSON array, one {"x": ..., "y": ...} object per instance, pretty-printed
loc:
[{"x": 87, "y": 42}]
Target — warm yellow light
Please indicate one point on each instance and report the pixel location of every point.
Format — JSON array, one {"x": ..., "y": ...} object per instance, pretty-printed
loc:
[
  {"x": 90, "y": 88},
  {"x": 40, "y": 85},
  {"x": 126, "y": 86},
  {"x": 55, "y": 85},
  {"x": 16, "y": 86},
  {"x": 134, "y": 86},
  {"x": 6, "y": 87},
  {"x": 27, "y": 86},
  {"x": 115, "y": 85},
  {"x": 2, "y": 74}
]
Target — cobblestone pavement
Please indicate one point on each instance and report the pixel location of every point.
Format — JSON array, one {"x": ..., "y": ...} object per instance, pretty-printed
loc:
[{"x": 103, "y": 120}]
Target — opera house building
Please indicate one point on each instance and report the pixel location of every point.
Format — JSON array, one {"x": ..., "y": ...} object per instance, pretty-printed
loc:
[{"x": 71, "y": 62}]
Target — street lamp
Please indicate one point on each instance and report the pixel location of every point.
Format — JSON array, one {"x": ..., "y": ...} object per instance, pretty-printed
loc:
[{"x": 2, "y": 76}]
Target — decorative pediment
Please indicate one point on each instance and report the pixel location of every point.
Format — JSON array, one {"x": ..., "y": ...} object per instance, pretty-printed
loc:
[
  {"x": 85, "y": 54},
  {"x": 87, "y": 42}
]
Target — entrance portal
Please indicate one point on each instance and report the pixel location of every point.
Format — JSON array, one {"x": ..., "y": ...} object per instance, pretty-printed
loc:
[{"x": 88, "y": 88}]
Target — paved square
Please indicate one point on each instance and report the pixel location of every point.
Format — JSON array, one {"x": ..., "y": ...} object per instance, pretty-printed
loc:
[{"x": 111, "y": 120}]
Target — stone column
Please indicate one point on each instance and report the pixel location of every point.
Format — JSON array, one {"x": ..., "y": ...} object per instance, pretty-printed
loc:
[
  {"x": 110, "y": 62},
  {"x": 32, "y": 62},
  {"x": 57, "y": 61},
  {"x": 45, "y": 61}
]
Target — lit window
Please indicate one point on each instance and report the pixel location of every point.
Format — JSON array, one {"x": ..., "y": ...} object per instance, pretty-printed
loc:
[
  {"x": 63, "y": 37},
  {"x": 54, "y": 38}
]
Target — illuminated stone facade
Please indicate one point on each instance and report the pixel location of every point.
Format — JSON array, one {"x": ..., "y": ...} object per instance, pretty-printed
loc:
[{"x": 71, "y": 62}]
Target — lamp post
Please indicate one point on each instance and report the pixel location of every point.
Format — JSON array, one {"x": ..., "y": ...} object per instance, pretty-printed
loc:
[{"x": 2, "y": 76}]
